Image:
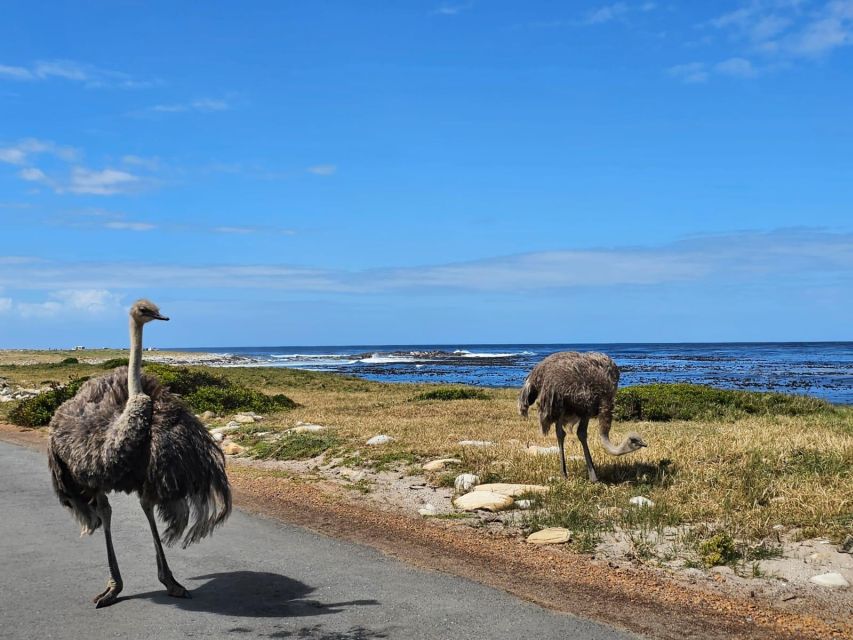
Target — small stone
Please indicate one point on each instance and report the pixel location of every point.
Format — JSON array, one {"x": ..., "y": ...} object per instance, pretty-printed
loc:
[
  {"x": 551, "y": 535},
  {"x": 438, "y": 465},
  {"x": 534, "y": 450},
  {"x": 217, "y": 437},
  {"x": 242, "y": 418},
  {"x": 465, "y": 482},
  {"x": 778, "y": 527},
  {"x": 232, "y": 449},
  {"x": 476, "y": 443},
  {"x": 380, "y": 439},
  {"x": 641, "y": 501},
  {"x": 512, "y": 490},
  {"x": 307, "y": 428},
  {"x": 208, "y": 415},
  {"x": 427, "y": 510},
  {"x": 832, "y": 579},
  {"x": 482, "y": 500},
  {"x": 847, "y": 545},
  {"x": 231, "y": 426},
  {"x": 524, "y": 505}
]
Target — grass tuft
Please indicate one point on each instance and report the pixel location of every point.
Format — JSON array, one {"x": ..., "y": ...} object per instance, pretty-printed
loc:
[{"x": 452, "y": 393}]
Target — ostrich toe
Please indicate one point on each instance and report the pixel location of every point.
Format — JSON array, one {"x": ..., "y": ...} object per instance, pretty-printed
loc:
[{"x": 108, "y": 596}]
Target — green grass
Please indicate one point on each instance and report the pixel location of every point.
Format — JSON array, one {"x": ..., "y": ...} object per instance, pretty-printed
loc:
[
  {"x": 665, "y": 402},
  {"x": 452, "y": 393},
  {"x": 293, "y": 446}
]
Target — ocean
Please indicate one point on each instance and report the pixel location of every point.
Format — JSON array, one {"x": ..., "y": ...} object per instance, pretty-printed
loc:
[{"x": 822, "y": 369}]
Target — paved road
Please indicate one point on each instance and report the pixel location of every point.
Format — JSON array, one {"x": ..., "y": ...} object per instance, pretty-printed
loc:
[{"x": 253, "y": 578}]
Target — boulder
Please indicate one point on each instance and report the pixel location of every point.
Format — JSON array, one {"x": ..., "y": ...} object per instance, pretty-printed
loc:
[
  {"x": 232, "y": 449},
  {"x": 482, "y": 500},
  {"x": 465, "y": 481},
  {"x": 832, "y": 579},
  {"x": 439, "y": 465},
  {"x": 380, "y": 439},
  {"x": 512, "y": 490},
  {"x": 242, "y": 418},
  {"x": 551, "y": 535}
]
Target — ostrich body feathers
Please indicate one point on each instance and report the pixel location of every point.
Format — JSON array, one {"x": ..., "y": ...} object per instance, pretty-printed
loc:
[{"x": 151, "y": 444}]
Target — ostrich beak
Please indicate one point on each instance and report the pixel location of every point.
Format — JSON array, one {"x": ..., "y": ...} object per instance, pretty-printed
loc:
[{"x": 157, "y": 316}]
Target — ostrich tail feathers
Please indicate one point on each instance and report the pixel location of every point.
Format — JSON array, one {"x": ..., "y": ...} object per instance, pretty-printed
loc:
[{"x": 71, "y": 495}]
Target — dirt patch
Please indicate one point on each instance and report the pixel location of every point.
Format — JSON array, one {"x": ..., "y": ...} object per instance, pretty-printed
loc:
[{"x": 639, "y": 599}]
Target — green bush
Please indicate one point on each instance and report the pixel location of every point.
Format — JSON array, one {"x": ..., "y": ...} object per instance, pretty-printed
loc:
[
  {"x": 452, "y": 393},
  {"x": 114, "y": 363},
  {"x": 70, "y": 361},
  {"x": 236, "y": 398},
  {"x": 37, "y": 411},
  {"x": 719, "y": 549},
  {"x": 185, "y": 381},
  {"x": 662, "y": 402}
]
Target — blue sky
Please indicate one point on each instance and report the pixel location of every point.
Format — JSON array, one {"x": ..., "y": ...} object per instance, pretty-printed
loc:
[{"x": 422, "y": 172}]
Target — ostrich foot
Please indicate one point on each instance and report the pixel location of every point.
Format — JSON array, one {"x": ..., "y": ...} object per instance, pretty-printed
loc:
[
  {"x": 109, "y": 595},
  {"x": 176, "y": 590}
]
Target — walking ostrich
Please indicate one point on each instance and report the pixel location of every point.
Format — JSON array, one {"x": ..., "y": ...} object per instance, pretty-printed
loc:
[
  {"x": 124, "y": 432},
  {"x": 573, "y": 387}
]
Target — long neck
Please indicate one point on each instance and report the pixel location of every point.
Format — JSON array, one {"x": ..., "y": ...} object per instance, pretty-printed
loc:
[
  {"x": 134, "y": 367},
  {"x": 605, "y": 418}
]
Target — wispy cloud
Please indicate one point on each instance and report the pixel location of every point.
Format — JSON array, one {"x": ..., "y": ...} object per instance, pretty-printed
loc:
[
  {"x": 606, "y": 13},
  {"x": 103, "y": 182},
  {"x": 777, "y": 33},
  {"x": 792, "y": 255},
  {"x": 691, "y": 73},
  {"x": 452, "y": 9},
  {"x": 323, "y": 169},
  {"x": 202, "y": 105},
  {"x": 88, "y": 75},
  {"x": 25, "y": 151},
  {"x": 66, "y": 301}
]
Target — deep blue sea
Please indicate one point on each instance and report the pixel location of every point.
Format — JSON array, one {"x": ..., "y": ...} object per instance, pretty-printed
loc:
[{"x": 823, "y": 369}]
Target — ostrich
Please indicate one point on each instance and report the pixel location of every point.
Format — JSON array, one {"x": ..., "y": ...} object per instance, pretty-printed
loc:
[
  {"x": 124, "y": 432},
  {"x": 573, "y": 387}
]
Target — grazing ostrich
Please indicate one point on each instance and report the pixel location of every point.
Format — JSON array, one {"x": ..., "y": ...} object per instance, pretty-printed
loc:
[
  {"x": 124, "y": 432},
  {"x": 571, "y": 388}
]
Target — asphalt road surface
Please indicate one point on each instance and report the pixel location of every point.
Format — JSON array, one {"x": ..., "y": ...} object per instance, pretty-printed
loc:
[{"x": 255, "y": 578}]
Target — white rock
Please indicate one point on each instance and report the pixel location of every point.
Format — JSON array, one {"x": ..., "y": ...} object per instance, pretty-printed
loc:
[
  {"x": 233, "y": 424},
  {"x": 438, "y": 465},
  {"x": 476, "y": 443},
  {"x": 534, "y": 450},
  {"x": 208, "y": 415},
  {"x": 641, "y": 501},
  {"x": 832, "y": 579},
  {"x": 524, "y": 504},
  {"x": 427, "y": 510},
  {"x": 218, "y": 437},
  {"x": 551, "y": 535},
  {"x": 482, "y": 500},
  {"x": 226, "y": 429},
  {"x": 465, "y": 481},
  {"x": 512, "y": 490},
  {"x": 380, "y": 439},
  {"x": 232, "y": 449},
  {"x": 303, "y": 427},
  {"x": 242, "y": 418}
]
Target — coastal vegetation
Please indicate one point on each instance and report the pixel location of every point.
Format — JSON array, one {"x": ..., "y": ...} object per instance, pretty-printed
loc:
[{"x": 726, "y": 471}]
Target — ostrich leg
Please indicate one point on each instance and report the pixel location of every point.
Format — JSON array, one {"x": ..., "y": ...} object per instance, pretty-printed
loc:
[
  {"x": 561, "y": 438},
  {"x": 582, "y": 427},
  {"x": 164, "y": 574},
  {"x": 114, "y": 585}
]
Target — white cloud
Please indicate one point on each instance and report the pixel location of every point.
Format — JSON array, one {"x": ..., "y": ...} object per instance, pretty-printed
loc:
[
  {"x": 202, "y": 105},
  {"x": 792, "y": 255},
  {"x": 691, "y": 73},
  {"x": 88, "y": 301},
  {"x": 88, "y": 75},
  {"x": 323, "y": 169},
  {"x": 128, "y": 225},
  {"x": 104, "y": 182},
  {"x": 24, "y": 151},
  {"x": 451, "y": 9},
  {"x": 606, "y": 13},
  {"x": 738, "y": 67},
  {"x": 5, "y": 305}
]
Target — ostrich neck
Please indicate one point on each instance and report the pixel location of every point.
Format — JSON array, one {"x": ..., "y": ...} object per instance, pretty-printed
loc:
[
  {"x": 605, "y": 417},
  {"x": 134, "y": 367},
  {"x": 612, "y": 449}
]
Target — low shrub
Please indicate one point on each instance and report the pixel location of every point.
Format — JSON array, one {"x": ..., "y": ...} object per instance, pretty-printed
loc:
[
  {"x": 236, "y": 398},
  {"x": 70, "y": 361},
  {"x": 452, "y": 393},
  {"x": 663, "y": 402},
  {"x": 114, "y": 363},
  {"x": 719, "y": 549},
  {"x": 183, "y": 380},
  {"x": 37, "y": 411},
  {"x": 295, "y": 446}
]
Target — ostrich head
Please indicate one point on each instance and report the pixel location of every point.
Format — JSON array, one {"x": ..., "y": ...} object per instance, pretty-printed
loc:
[
  {"x": 144, "y": 311},
  {"x": 632, "y": 442}
]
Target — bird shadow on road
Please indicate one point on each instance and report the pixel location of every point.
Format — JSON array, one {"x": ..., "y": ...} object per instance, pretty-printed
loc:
[{"x": 255, "y": 594}]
